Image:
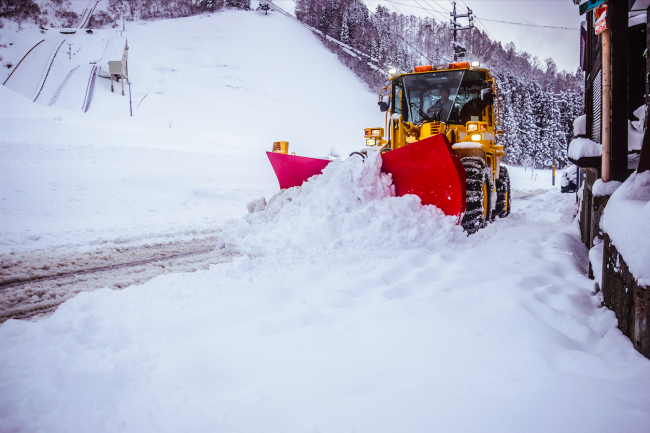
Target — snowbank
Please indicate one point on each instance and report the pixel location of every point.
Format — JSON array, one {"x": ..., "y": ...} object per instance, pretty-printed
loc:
[
  {"x": 596, "y": 260},
  {"x": 583, "y": 147},
  {"x": 626, "y": 220},
  {"x": 351, "y": 204},
  {"x": 569, "y": 175}
]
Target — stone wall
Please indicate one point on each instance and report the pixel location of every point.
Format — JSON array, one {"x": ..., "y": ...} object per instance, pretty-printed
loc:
[{"x": 629, "y": 301}]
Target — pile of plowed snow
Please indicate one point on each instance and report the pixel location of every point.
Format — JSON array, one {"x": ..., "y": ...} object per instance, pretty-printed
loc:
[{"x": 351, "y": 204}]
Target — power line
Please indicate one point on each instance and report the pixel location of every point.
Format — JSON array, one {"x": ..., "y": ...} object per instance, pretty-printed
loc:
[
  {"x": 429, "y": 11},
  {"x": 532, "y": 25},
  {"x": 481, "y": 22},
  {"x": 486, "y": 19}
]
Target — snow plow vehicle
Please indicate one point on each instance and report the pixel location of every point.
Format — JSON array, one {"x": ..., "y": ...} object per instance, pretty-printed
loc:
[{"x": 438, "y": 142}]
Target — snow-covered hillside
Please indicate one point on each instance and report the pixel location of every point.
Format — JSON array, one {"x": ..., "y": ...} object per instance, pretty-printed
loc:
[
  {"x": 210, "y": 95},
  {"x": 336, "y": 307}
]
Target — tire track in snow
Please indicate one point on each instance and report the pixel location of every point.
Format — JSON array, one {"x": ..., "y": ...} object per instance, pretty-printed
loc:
[{"x": 35, "y": 283}]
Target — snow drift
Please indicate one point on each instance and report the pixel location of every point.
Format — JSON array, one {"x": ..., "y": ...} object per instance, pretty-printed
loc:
[{"x": 625, "y": 219}]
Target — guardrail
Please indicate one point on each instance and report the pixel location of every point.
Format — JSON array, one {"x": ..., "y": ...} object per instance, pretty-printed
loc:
[
  {"x": 47, "y": 72},
  {"x": 21, "y": 60}
]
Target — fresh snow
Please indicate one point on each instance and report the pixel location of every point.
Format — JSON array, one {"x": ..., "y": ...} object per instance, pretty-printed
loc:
[
  {"x": 636, "y": 129},
  {"x": 581, "y": 147},
  {"x": 339, "y": 331},
  {"x": 569, "y": 175},
  {"x": 601, "y": 188},
  {"x": 625, "y": 220},
  {"x": 580, "y": 126},
  {"x": 340, "y": 307}
]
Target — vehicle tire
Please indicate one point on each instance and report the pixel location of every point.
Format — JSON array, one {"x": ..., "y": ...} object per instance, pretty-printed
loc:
[
  {"x": 502, "y": 209},
  {"x": 479, "y": 195}
]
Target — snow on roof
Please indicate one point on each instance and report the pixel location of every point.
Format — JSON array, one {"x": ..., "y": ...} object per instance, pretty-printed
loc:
[
  {"x": 583, "y": 148},
  {"x": 626, "y": 220}
]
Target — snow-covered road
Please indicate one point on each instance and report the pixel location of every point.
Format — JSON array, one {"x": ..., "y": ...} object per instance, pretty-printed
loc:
[{"x": 35, "y": 283}]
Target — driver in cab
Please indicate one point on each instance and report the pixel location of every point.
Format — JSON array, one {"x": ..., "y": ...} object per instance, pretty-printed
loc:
[
  {"x": 442, "y": 106},
  {"x": 472, "y": 110}
]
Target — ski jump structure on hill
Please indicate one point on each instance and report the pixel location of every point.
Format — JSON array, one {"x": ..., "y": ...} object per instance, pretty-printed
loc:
[{"x": 88, "y": 12}]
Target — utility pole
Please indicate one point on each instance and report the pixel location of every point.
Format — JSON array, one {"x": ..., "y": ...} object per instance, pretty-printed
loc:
[
  {"x": 70, "y": 51},
  {"x": 460, "y": 52},
  {"x": 553, "y": 139},
  {"x": 130, "y": 104}
]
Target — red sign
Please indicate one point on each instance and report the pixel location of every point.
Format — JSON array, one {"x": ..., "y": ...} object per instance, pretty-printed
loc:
[{"x": 601, "y": 19}]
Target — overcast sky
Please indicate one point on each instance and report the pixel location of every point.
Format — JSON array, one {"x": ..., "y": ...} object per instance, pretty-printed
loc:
[{"x": 562, "y": 45}]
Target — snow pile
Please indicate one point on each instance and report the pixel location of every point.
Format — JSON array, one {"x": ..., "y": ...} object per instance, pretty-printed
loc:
[
  {"x": 635, "y": 129},
  {"x": 626, "y": 220},
  {"x": 569, "y": 175},
  {"x": 601, "y": 188},
  {"x": 596, "y": 260},
  {"x": 580, "y": 126},
  {"x": 351, "y": 203},
  {"x": 640, "y": 114},
  {"x": 583, "y": 148}
]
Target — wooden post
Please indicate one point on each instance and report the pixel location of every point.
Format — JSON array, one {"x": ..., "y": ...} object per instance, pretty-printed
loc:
[
  {"x": 605, "y": 37},
  {"x": 618, "y": 10}
]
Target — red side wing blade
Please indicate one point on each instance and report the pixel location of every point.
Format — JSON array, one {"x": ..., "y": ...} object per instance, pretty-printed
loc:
[
  {"x": 431, "y": 170},
  {"x": 293, "y": 170}
]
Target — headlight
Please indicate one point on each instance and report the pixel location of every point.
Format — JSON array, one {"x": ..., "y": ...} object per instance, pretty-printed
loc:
[
  {"x": 472, "y": 127},
  {"x": 392, "y": 71},
  {"x": 476, "y": 64},
  {"x": 371, "y": 142},
  {"x": 376, "y": 132},
  {"x": 476, "y": 137}
]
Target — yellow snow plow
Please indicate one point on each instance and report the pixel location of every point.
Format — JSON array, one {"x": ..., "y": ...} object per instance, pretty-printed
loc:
[{"x": 439, "y": 143}]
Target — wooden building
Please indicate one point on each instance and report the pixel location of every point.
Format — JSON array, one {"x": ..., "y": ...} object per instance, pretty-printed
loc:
[{"x": 616, "y": 65}]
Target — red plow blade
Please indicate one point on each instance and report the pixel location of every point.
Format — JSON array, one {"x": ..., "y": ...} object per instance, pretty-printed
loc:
[
  {"x": 431, "y": 170},
  {"x": 428, "y": 168},
  {"x": 293, "y": 170}
]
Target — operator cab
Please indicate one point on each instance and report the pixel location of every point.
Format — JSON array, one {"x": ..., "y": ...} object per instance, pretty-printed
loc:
[{"x": 421, "y": 97}]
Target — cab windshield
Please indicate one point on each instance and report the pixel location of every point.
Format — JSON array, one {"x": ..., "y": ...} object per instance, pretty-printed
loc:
[{"x": 442, "y": 96}]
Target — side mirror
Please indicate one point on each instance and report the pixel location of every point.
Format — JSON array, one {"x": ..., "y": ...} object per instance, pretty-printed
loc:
[
  {"x": 384, "y": 104},
  {"x": 487, "y": 96}
]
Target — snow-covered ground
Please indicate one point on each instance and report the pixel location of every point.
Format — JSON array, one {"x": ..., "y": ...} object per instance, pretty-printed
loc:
[
  {"x": 210, "y": 95},
  {"x": 344, "y": 309}
]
